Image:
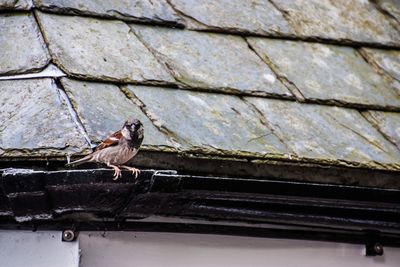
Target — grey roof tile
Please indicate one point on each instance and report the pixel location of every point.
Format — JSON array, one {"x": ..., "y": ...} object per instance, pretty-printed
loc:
[
  {"x": 103, "y": 108},
  {"x": 100, "y": 49},
  {"x": 258, "y": 16},
  {"x": 357, "y": 20},
  {"x": 388, "y": 60},
  {"x": 220, "y": 129},
  {"x": 135, "y": 10},
  {"x": 328, "y": 72},
  {"x": 211, "y": 61},
  {"x": 208, "y": 122},
  {"x": 16, "y": 4},
  {"x": 34, "y": 121},
  {"x": 329, "y": 134},
  {"x": 387, "y": 122},
  {"x": 22, "y": 46},
  {"x": 390, "y": 6}
]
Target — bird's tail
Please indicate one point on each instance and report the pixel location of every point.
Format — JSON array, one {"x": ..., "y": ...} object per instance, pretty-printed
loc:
[{"x": 79, "y": 161}]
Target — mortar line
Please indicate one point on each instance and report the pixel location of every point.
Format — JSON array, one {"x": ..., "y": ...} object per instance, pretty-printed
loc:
[
  {"x": 372, "y": 121},
  {"x": 284, "y": 80},
  {"x": 377, "y": 68},
  {"x": 265, "y": 122}
]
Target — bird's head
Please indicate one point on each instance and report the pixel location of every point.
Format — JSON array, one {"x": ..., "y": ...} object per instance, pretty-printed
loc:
[
  {"x": 133, "y": 125},
  {"x": 135, "y": 129}
]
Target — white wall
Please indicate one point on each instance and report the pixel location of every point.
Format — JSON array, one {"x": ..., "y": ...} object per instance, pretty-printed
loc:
[
  {"x": 178, "y": 250},
  {"x": 37, "y": 249},
  {"x": 123, "y": 249}
]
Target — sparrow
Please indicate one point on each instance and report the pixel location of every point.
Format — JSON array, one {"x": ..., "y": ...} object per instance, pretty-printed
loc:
[{"x": 118, "y": 148}]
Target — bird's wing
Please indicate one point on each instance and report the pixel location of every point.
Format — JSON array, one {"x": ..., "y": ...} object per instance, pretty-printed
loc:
[{"x": 112, "y": 140}]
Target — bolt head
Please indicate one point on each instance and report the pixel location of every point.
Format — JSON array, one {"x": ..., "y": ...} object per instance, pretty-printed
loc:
[
  {"x": 68, "y": 235},
  {"x": 378, "y": 248}
]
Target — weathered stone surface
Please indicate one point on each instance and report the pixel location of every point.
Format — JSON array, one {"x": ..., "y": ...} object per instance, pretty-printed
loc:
[
  {"x": 211, "y": 61},
  {"x": 22, "y": 46},
  {"x": 210, "y": 122},
  {"x": 34, "y": 121},
  {"x": 100, "y": 49},
  {"x": 257, "y": 16},
  {"x": 328, "y": 72},
  {"x": 356, "y": 20},
  {"x": 390, "y": 6},
  {"x": 16, "y": 4},
  {"x": 326, "y": 134},
  {"x": 103, "y": 109},
  {"x": 136, "y": 10},
  {"x": 387, "y": 122},
  {"x": 388, "y": 60}
]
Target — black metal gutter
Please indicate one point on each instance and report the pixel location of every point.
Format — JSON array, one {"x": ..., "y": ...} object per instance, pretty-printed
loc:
[{"x": 91, "y": 200}]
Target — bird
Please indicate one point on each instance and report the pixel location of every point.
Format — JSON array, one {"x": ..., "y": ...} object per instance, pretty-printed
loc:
[{"x": 118, "y": 148}]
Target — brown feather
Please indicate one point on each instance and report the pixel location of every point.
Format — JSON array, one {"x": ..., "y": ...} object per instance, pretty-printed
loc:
[{"x": 112, "y": 140}]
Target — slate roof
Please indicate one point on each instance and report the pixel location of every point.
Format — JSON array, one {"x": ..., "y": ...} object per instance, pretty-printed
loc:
[{"x": 232, "y": 86}]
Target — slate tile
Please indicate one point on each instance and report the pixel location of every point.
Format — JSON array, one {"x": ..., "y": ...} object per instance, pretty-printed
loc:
[
  {"x": 356, "y": 20},
  {"x": 211, "y": 61},
  {"x": 390, "y": 6},
  {"x": 326, "y": 134},
  {"x": 103, "y": 109},
  {"x": 100, "y": 49},
  {"x": 388, "y": 60},
  {"x": 387, "y": 122},
  {"x": 15, "y": 4},
  {"x": 328, "y": 72},
  {"x": 257, "y": 16},
  {"x": 22, "y": 46},
  {"x": 210, "y": 122},
  {"x": 136, "y": 10},
  {"x": 34, "y": 121}
]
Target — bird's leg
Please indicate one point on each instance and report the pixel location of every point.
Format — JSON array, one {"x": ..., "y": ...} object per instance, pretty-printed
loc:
[
  {"x": 117, "y": 171},
  {"x": 134, "y": 171}
]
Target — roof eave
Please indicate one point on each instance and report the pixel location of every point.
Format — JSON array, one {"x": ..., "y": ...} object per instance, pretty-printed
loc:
[{"x": 91, "y": 200}]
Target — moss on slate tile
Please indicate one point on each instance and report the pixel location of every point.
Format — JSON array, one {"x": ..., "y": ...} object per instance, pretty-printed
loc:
[
  {"x": 22, "y": 46},
  {"x": 211, "y": 61},
  {"x": 328, "y": 135},
  {"x": 392, "y": 7},
  {"x": 210, "y": 123},
  {"x": 135, "y": 10},
  {"x": 328, "y": 72},
  {"x": 349, "y": 21},
  {"x": 15, "y": 4},
  {"x": 388, "y": 60},
  {"x": 388, "y": 124},
  {"x": 100, "y": 49},
  {"x": 35, "y": 122},
  {"x": 256, "y": 17}
]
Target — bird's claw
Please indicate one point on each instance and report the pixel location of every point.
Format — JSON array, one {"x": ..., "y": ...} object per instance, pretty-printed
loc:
[
  {"x": 117, "y": 174},
  {"x": 134, "y": 171}
]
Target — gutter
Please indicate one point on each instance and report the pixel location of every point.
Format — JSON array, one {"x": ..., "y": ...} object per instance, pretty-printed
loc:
[{"x": 86, "y": 200}]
